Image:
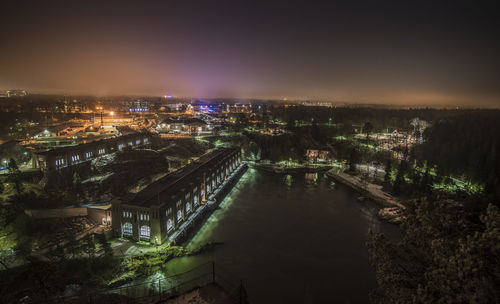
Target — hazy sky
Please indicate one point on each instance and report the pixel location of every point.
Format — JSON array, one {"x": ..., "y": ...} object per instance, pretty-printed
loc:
[{"x": 352, "y": 51}]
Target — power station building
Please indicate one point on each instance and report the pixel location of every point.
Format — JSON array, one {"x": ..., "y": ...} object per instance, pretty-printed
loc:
[
  {"x": 59, "y": 158},
  {"x": 162, "y": 209}
]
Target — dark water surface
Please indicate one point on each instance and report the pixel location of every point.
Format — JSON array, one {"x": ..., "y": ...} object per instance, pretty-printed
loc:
[{"x": 292, "y": 239}]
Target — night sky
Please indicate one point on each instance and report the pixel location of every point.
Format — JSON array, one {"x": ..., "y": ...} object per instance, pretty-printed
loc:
[{"x": 347, "y": 51}]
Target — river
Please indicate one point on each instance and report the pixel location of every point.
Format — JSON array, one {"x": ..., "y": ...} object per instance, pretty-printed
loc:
[{"x": 292, "y": 239}]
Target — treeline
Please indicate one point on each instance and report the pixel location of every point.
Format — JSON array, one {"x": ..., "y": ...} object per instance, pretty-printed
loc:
[
  {"x": 381, "y": 118},
  {"x": 467, "y": 145}
]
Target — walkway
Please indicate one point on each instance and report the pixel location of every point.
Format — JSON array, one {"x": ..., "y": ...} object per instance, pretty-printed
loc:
[{"x": 374, "y": 191}]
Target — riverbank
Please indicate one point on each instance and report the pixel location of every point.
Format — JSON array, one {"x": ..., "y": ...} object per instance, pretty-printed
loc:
[
  {"x": 276, "y": 168},
  {"x": 197, "y": 218},
  {"x": 373, "y": 191}
]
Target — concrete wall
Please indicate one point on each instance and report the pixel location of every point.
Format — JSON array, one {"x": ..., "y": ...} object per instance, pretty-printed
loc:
[
  {"x": 56, "y": 213},
  {"x": 96, "y": 215}
]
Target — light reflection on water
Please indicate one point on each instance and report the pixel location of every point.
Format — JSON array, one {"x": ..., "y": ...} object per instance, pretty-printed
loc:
[{"x": 292, "y": 238}]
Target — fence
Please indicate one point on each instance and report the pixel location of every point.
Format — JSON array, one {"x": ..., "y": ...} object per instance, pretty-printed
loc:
[{"x": 162, "y": 289}]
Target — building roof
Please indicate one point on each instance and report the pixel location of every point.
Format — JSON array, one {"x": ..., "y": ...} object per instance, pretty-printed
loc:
[
  {"x": 163, "y": 189},
  {"x": 61, "y": 150},
  {"x": 185, "y": 121}
]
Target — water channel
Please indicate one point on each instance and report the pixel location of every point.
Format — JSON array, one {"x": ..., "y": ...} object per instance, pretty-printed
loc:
[{"x": 292, "y": 239}]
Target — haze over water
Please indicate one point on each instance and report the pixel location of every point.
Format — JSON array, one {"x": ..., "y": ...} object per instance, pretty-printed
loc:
[{"x": 292, "y": 240}]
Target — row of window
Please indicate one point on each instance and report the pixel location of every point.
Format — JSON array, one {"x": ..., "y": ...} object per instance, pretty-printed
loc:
[
  {"x": 127, "y": 214},
  {"x": 90, "y": 154},
  {"x": 144, "y": 231}
]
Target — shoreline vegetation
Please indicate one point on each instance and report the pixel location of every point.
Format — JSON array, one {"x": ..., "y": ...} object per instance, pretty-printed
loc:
[
  {"x": 392, "y": 207},
  {"x": 288, "y": 169}
]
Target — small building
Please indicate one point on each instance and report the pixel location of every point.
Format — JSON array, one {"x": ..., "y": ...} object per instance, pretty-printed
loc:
[
  {"x": 183, "y": 125},
  {"x": 159, "y": 210},
  {"x": 316, "y": 155}
]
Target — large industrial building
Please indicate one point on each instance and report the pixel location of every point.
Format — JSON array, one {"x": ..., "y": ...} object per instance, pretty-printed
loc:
[
  {"x": 67, "y": 156},
  {"x": 158, "y": 212}
]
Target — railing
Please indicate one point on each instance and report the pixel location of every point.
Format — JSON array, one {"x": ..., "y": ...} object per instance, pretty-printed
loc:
[{"x": 162, "y": 289}]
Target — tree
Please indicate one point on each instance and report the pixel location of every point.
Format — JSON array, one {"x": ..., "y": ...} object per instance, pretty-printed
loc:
[
  {"x": 399, "y": 181},
  {"x": 388, "y": 169},
  {"x": 15, "y": 176},
  {"x": 367, "y": 128},
  {"x": 353, "y": 160},
  {"x": 106, "y": 246},
  {"x": 425, "y": 182},
  {"x": 444, "y": 257},
  {"x": 89, "y": 246},
  {"x": 77, "y": 182}
]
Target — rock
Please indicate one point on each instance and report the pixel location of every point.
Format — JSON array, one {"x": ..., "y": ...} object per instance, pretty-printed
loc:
[{"x": 392, "y": 215}]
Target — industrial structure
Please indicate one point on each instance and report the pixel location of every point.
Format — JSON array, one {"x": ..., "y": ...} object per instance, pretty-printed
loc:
[
  {"x": 67, "y": 156},
  {"x": 165, "y": 209}
]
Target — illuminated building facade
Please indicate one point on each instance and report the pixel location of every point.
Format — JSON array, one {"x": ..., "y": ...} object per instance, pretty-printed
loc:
[
  {"x": 59, "y": 158},
  {"x": 164, "y": 208}
]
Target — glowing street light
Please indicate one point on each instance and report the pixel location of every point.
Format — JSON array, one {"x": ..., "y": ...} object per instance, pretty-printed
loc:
[{"x": 112, "y": 113}]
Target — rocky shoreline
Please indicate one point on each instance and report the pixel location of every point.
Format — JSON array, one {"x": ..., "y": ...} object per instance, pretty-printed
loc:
[
  {"x": 392, "y": 214},
  {"x": 289, "y": 170}
]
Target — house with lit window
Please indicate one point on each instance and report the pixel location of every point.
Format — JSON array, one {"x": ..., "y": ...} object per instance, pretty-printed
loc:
[
  {"x": 63, "y": 157},
  {"x": 166, "y": 207}
]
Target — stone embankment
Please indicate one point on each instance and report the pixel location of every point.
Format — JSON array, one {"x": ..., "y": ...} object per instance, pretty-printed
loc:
[
  {"x": 391, "y": 214},
  {"x": 289, "y": 169}
]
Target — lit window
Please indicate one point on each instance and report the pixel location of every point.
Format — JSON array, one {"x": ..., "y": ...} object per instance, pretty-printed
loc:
[
  {"x": 169, "y": 224},
  {"x": 168, "y": 211},
  {"x": 179, "y": 215},
  {"x": 127, "y": 229},
  {"x": 145, "y": 232},
  {"x": 137, "y": 141},
  {"x": 188, "y": 208},
  {"x": 195, "y": 200}
]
